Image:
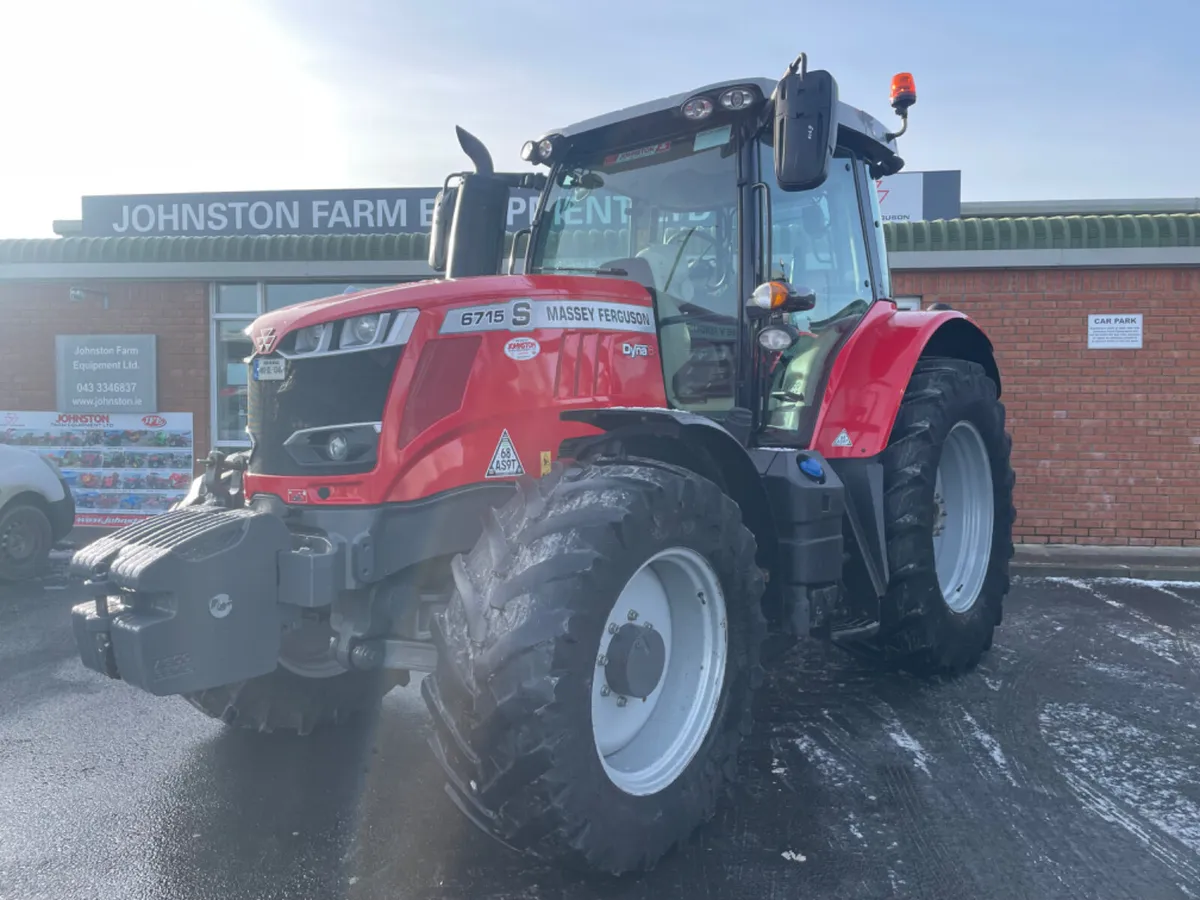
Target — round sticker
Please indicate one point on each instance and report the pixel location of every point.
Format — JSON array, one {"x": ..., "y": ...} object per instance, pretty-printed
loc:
[{"x": 521, "y": 348}]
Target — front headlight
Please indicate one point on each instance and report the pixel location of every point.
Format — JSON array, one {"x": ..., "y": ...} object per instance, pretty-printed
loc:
[
  {"x": 310, "y": 339},
  {"x": 351, "y": 335},
  {"x": 361, "y": 330}
]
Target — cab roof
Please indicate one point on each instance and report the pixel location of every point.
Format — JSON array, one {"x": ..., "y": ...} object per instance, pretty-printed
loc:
[{"x": 850, "y": 118}]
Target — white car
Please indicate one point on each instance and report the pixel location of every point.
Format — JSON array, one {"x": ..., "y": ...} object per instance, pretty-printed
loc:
[{"x": 36, "y": 511}]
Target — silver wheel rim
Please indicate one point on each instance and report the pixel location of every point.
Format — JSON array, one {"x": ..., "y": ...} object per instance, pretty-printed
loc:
[
  {"x": 963, "y": 518},
  {"x": 307, "y": 651},
  {"x": 645, "y": 745}
]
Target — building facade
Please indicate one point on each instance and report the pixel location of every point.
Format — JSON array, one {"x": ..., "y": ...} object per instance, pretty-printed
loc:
[{"x": 1105, "y": 424}]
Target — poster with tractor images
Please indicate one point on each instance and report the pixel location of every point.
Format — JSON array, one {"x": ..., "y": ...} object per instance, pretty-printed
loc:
[{"x": 121, "y": 467}]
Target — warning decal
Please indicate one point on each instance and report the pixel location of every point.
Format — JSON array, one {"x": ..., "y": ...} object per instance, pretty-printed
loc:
[
  {"x": 842, "y": 440},
  {"x": 505, "y": 462}
]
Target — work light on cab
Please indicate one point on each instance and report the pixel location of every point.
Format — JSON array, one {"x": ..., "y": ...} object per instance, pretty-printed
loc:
[
  {"x": 737, "y": 98},
  {"x": 697, "y": 108},
  {"x": 777, "y": 338},
  {"x": 541, "y": 151}
]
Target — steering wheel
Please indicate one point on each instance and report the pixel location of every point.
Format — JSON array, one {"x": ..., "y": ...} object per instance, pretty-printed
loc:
[{"x": 716, "y": 273}]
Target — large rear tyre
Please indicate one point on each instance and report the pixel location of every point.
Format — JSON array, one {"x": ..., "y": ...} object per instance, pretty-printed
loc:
[
  {"x": 948, "y": 512},
  {"x": 308, "y": 691},
  {"x": 597, "y": 664}
]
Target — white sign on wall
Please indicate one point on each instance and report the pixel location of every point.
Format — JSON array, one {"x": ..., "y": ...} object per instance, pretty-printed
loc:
[
  {"x": 902, "y": 197},
  {"x": 1115, "y": 332}
]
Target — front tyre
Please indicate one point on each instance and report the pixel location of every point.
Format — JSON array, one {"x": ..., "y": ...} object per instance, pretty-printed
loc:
[
  {"x": 948, "y": 512},
  {"x": 597, "y": 664}
]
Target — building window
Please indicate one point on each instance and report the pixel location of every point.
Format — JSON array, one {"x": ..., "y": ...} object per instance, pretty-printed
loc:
[
  {"x": 235, "y": 306},
  {"x": 232, "y": 348}
]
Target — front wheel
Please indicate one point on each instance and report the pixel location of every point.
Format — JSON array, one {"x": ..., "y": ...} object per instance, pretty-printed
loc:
[
  {"x": 948, "y": 514},
  {"x": 597, "y": 664}
]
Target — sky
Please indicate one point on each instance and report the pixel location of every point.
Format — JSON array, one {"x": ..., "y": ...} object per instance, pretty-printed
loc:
[{"x": 1030, "y": 99}]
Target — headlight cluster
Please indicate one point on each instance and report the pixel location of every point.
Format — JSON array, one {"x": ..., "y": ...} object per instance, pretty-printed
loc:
[{"x": 351, "y": 335}]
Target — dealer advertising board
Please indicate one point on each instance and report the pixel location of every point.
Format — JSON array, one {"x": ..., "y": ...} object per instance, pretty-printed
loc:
[{"x": 121, "y": 467}]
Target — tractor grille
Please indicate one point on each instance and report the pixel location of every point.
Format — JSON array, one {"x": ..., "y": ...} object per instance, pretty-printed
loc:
[{"x": 342, "y": 389}]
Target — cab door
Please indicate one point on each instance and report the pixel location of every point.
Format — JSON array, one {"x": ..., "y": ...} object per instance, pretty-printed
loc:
[{"x": 826, "y": 240}]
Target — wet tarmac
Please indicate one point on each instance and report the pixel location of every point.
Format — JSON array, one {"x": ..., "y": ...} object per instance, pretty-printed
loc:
[{"x": 1067, "y": 766}]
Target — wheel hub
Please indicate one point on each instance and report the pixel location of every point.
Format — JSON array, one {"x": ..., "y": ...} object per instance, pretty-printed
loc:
[
  {"x": 963, "y": 517},
  {"x": 17, "y": 542},
  {"x": 637, "y": 656},
  {"x": 660, "y": 668}
]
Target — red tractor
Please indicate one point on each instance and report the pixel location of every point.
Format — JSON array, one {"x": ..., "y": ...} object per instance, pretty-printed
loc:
[{"x": 582, "y": 497}]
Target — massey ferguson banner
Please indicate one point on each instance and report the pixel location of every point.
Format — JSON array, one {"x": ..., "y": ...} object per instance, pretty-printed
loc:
[{"x": 121, "y": 467}]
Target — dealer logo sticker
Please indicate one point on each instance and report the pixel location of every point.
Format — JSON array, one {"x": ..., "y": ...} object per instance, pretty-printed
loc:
[
  {"x": 505, "y": 462},
  {"x": 522, "y": 348},
  {"x": 153, "y": 421}
]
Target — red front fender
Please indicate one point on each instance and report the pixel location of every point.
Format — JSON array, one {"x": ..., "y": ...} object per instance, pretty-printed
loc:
[{"x": 872, "y": 370}]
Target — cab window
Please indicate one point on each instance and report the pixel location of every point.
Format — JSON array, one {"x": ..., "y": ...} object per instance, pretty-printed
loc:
[{"x": 665, "y": 213}]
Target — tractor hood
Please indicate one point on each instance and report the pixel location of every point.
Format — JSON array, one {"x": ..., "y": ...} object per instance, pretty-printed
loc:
[{"x": 438, "y": 295}]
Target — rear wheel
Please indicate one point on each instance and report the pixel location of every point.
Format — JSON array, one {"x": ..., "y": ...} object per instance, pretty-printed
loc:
[
  {"x": 948, "y": 507},
  {"x": 26, "y": 537},
  {"x": 309, "y": 689},
  {"x": 597, "y": 664}
]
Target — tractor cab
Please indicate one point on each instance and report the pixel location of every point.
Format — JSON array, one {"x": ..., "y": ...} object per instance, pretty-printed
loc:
[{"x": 717, "y": 201}]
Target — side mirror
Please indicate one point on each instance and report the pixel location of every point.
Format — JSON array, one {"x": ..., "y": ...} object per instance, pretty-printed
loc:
[
  {"x": 805, "y": 126},
  {"x": 439, "y": 234},
  {"x": 779, "y": 297}
]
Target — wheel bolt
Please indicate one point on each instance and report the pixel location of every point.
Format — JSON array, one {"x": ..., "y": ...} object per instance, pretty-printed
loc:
[
  {"x": 612, "y": 629},
  {"x": 633, "y": 615},
  {"x": 605, "y": 690},
  {"x": 621, "y": 701},
  {"x": 602, "y": 661},
  {"x": 648, "y": 626}
]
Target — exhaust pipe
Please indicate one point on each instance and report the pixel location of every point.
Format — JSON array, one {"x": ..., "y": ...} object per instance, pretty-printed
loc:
[{"x": 476, "y": 151}]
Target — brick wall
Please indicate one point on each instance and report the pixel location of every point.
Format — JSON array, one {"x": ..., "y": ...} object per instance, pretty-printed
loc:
[
  {"x": 31, "y": 314},
  {"x": 1106, "y": 443}
]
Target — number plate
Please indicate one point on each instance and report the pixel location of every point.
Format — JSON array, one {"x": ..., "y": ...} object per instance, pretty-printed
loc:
[{"x": 269, "y": 368}]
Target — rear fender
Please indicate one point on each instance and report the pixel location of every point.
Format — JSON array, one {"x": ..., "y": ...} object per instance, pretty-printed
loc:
[
  {"x": 873, "y": 369},
  {"x": 689, "y": 440}
]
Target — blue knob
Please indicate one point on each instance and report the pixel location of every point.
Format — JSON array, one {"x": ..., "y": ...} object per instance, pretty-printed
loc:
[{"x": 811, "y": 468}]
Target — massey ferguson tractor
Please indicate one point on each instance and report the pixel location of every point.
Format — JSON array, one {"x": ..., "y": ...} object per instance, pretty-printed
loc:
[{"x": 584, "y": 497}]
